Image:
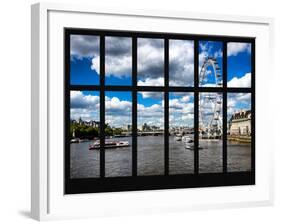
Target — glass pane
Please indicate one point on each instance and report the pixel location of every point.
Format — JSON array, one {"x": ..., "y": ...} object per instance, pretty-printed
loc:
[
  {"x": 181, "y": 129},
  {"x": 150, "y": 62},
  {"x": 239, "y": 64},
  {"x": 181, "y": 63},
  {"x": 118, "y": 61},
  {"x": 239, "y": 132},
  {"x": 84, "y": 60},
  {"x": 118, "y": 143},
  {"x": 84, "y": 129},
  {"x": 150, "y": 133},
  {"x": 210, "y": 64},
  {"x": 210, "y": 132}
]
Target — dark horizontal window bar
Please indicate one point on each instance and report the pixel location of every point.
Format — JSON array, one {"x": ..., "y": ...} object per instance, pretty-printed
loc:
[
  {"x": 160, "y": 88},
  {"x": 142, "y": 34},
  {"x": 115, "y": 184}
]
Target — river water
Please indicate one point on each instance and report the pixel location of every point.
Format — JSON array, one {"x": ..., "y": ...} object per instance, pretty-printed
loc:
[{"x": 118, "y": 161}]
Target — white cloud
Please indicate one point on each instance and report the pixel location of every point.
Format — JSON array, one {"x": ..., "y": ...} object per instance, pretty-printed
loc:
[
  {"x": 151, "y": 82},
  {"x": 119, "y": 112},
  {"x": 115, "y": 105},
  {"x": 84, "y": 46},
  {"x": 244, "y": 81},
  {"x": 96, "y": 64},
  {"x": 181, "y": 62},
  {"x": 84, "y": 106},
  {"x": 81, "y": 101},
  {"x": 150, "y": 58},
  {"x": 234, "y": 48},
  {"x": 118, "y": 57}
]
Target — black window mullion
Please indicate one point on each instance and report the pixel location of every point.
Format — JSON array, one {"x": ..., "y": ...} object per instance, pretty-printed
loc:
[
  {"x": 224, "y": 104},
  {"x": 166, "y": 105},
  {"x": 102, "y": 106},
  {"x": 67, "y": 104},
  {"x": 134, "y": 107},
  {"x": 253, "y": 103},
  {"x": 196, "y": 107}
]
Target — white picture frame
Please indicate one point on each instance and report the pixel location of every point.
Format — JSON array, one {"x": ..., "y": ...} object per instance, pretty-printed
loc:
[{"x": 47, "y": 198}]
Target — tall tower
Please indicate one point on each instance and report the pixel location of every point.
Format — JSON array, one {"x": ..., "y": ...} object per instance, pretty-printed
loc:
[{"x": 73, "y": 133}]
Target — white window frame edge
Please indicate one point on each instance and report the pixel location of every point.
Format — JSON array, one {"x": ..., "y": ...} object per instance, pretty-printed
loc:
[{"x": 39, "y": 86}]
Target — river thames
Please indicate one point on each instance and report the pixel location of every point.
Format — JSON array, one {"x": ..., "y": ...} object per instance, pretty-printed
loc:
[{"x": 118, "y": 161}]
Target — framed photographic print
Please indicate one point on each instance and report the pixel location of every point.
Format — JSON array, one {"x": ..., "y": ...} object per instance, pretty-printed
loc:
[{"x": 147, "y": 115}]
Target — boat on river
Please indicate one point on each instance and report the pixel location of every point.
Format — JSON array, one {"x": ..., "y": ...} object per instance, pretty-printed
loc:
[
  {"x": 191, "y": 147},
  {"x": 186, "y": 139},
  {"x": 178, "y": 137},
  {"x": 74, "y": 140},
  {"x": 109, "y": 144}
]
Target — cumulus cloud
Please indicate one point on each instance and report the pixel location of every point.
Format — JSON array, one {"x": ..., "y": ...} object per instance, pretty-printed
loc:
[
  {"x": 244, "y": 81},
  {"x": 84, "y": 106},
  {"x": 118, "y": 56},
  {"x": 84, "y": 46},
  {"x": 150, "y": 59},
  {"x": 181, "y": 62},
  {"x": 151, "y": 82},
  {"x": 151, "y": 115},
  {"x": 234, "y": 48},
  {"x": 116, "y": 106},
  {"x": 181, "y": 110},
  {"x": 80, "y": 101}
]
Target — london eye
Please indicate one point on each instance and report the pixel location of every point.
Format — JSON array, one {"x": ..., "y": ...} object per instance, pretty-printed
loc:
[{"x": 210, "y": 103}]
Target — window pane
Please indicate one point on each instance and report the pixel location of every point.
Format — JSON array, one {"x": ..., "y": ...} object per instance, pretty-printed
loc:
[
  {"x": 150, "y": 133},
  {"x": 239, "y": 132},
  {"x": 181, "y": 63},
  {"x": 210, "y": 64},
  {"x": 210, "y": 132},
  {"x": 181, "y": 113},
  {"x": 239, "y": 64},
  {"x": 118, "y": 143},
  {"x": 150, "y": 62},
  {"x": 84, "y": 60},
  {"x": 118, "y": 61},
  {"x": 84, "y": 129}
]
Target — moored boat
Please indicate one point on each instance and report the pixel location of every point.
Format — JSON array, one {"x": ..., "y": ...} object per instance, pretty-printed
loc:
[
  {"x": 186, "y": 139},
  {"x": 178, "y": 137},
  {"x": 191, "y": 147},
  {"x": 74, "y": 140}
]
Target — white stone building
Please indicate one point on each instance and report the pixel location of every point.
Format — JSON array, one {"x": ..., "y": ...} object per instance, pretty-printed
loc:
[{"x": 240, "y": 123}]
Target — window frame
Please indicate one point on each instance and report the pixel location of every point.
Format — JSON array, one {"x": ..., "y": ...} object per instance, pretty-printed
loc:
[{"x": 166, "y": 181}]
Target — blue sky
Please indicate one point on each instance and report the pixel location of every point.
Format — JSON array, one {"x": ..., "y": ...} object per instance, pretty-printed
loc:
[
  {"x": 84, "y": 70},
  {"x": 237, "y": 102},
  {"x": 239, "y": 64},
  {"x": 209, "y": 49}
]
